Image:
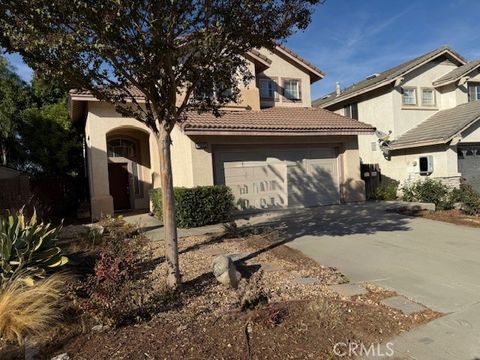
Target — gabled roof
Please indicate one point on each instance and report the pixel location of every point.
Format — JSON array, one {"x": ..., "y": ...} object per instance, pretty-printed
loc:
[
  {"x": 440, "y": 127},
  {"x": 387, "y": 76},
  {"x": 274, "y": 121},
  {"x": 457, "y": 73},
  {"x": 315, "y": 72}
]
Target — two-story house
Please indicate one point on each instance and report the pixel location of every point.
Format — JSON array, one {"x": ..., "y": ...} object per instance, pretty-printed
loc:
[
  {"x": 426, "y": 112},
  {"x": 272, "y": 148}
]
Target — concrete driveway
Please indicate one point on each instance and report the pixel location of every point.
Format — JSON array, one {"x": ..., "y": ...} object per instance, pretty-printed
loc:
[{"x": 433, "y": 263}]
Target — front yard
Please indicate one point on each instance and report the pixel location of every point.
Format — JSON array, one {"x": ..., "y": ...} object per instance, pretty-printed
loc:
[{"x": 283, "y": 308}]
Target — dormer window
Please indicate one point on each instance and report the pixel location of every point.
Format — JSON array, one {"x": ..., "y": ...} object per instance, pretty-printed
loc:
[
  {"x": 473, "y": 91},
  {"x": 409, "y": 96},
  {"x": 291, "y": 89},
  {"x": 267, "y": 88},
  {"x": 428, "y": 97}
]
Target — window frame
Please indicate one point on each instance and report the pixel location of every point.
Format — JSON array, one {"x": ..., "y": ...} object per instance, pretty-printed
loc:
[
  {"x": 273, "y": 80},
  {"x": 299, "y": 82},
  {"x": 415, "y": 95},
  {"x": 476, "y": 86},
  {"x": 348, "y": 110},
  {"x": 434, "y": 96}
]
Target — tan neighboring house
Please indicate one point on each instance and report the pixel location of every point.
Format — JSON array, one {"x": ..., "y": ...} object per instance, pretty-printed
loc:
[
  {"x": 426, "y": 112},
  {"x": 272, "y": 148}
]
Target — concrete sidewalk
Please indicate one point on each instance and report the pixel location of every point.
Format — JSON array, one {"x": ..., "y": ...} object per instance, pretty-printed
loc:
[{"x": 153, "y": 228}]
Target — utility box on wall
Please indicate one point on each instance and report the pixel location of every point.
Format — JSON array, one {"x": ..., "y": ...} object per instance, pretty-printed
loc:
[{"x": 425, "y": 165}]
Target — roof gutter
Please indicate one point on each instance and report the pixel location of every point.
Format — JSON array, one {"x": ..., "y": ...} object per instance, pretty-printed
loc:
[{"x": 260, "y": 132}]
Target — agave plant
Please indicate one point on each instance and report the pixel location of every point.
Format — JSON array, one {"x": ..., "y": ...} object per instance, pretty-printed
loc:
[{"x": 27, "y": 248}]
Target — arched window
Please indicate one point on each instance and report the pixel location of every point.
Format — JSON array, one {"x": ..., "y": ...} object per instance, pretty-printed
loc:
[{"x": 121, "y": 148}]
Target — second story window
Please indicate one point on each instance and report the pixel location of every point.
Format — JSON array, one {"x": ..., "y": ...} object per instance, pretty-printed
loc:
[
  {"x": 473, "y": 91},
  {"x": 267, "y": 88},
  {"x": 351, "y": 111},
  {"x": 291, "y": 89},
  {"x": 409, "y": 96},
  {"x": 428, "y": 97}
]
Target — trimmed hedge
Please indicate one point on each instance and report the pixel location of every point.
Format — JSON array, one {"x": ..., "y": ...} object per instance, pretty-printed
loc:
[{"x": 198, "y": 206}]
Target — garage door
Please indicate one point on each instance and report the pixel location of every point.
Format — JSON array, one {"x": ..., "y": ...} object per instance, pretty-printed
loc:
[
  {"x": 469, "y": 164},
  {"x": 279, "y": 178}
]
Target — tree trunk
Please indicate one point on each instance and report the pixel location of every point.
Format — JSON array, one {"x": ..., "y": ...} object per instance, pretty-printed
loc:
[
  {"x": 168, "y": 203},
  {"x": 4, "y": 155}
]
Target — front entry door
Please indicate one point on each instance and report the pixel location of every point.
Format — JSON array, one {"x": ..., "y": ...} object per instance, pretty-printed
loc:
[{"x": 118, "y": 178}]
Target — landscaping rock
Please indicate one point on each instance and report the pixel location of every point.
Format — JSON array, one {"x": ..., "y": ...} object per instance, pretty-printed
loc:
[
  {"x": 306, "y": 281},
  {"x": 73, "y": 231},
  {"x": 458, "y": 206},
  {"x": 99, "y": 328},
  {"x": 409, "y": 206},
  {"x": 403, "y": 304},
  {"x": 63, "y": 356},
  {"x": 237, "y": 257},
  {"x": 225, "y": 271},
  {"x": 348, "y": 290}
]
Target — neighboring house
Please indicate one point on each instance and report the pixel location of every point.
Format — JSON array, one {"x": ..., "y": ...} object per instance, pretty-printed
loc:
[
  {"x": 273, "y": 149},
  {"x": 426, "y": 112}
]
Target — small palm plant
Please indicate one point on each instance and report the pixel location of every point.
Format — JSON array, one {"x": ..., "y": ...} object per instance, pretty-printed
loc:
[{"x": 27, "y": 248}]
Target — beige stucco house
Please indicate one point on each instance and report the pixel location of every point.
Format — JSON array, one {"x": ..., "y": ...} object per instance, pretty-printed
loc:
[
  {"x": 426, "y": 112},
  {"x": 272, "y": 148}
]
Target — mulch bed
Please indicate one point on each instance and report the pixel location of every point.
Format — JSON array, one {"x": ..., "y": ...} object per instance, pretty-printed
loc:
[
  {"x": 300, "y": 321},
  {"x": 453, "y": 216}
]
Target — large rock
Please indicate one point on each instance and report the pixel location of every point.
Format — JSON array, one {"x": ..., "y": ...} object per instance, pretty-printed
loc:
[{"x": 225, "y": 271}]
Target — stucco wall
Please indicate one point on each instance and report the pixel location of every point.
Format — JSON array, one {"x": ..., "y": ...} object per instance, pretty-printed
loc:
[
  {"x": 472, "y": 134},
  {"x": 404, "y": 166},
  {"x": 102, "y": 120},
  {"x": 284, "y": 69},
  {"x": 407, "y": 117}
]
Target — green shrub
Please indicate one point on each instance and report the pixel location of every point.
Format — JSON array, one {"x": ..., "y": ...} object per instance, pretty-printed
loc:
[
  {"x": 387, "y": 191},
  {"x": 198, "y": 206},
  {"x": 27, "y": 248},
  {"x": 469, "y": 198},
  {"x": 428, "y": 191}
]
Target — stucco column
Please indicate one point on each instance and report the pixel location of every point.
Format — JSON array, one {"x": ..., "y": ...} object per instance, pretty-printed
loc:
[
  {"x": 101, "y": 201},
  {"x": 353, "y": 187}
]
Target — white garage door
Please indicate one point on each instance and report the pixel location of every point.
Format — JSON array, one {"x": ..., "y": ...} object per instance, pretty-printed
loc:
[{"x": 279, "y": 178}]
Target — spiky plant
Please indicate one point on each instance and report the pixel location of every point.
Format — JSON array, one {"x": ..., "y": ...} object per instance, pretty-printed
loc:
[
  {"x": 27, "y": 311},
  {"x": 27, "y": 248}
]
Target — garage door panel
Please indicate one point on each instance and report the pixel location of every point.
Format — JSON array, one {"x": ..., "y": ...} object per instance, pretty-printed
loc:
[
  {"x": 469, "y": 164},
  {"x": 284, "y": 178}
]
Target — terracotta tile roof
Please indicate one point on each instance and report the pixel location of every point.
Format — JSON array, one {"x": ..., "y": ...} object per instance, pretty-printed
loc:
[
  {"x": 440, "y": 127},
  {"x": 384, "y": 77},
  {"x": 275, "y": 120},
  {"x": 80, "y": 92},
  {"x": 457, "y": 73}
]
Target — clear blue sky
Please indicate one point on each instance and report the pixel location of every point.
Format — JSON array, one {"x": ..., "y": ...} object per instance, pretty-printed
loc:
[{"x": 351, "y": 39}]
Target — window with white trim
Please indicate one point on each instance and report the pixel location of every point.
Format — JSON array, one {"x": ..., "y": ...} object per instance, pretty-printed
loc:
[
  {"x": 409, "y": 96},
  {"x": 473, "y": 91},
  {"x": 291, "y": 89},
  {"x": 428, "y": 97},
  {"x": 267, "y": 88}
]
